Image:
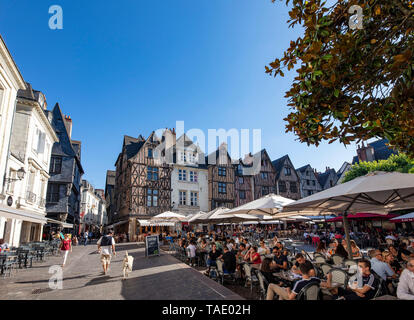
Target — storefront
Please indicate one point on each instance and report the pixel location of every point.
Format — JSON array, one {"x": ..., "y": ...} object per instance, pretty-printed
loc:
[{"x": 20, "y": 226}]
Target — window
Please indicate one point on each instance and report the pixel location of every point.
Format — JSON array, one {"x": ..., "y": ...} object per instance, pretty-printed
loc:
[
  {"x": 53, "y": 192},
  {"x": 282, "y": 186},
  {"x": 288, "y": 171},
  {"x": 293, "y": 187},
  {"x": 313, "y": 183},
  {"x": 222, "y": 187},
  {"x": 55, "y": 165},
  {"x": 239, "y": 169},
  {"x": 309, "y": 192},
  {"x": 265, "y": 175},
  {"x": 331, "y": 183},
  {"x": 35, "y": 141},
  {"x": 194, "y": 199},
  {"x": 242, "y": 194},
  {"x": 152, "y": 173},
  {"x": 149, "y": 153},
  {"x": 307, "y": 182},
  {"x": 183, "y": 198},
  {"x": 182, "y": 175},
  {"x": 265, "y": 191},
  {"x": 241, "y": 180},
  {"x": 222, "y": 171},
  {"x": 152, "y": 198},
  {"x": 193, "y": 176}
]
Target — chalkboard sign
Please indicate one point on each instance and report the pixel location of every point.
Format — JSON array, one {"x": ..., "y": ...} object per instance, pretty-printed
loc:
[{"x": 152, "y": 246}]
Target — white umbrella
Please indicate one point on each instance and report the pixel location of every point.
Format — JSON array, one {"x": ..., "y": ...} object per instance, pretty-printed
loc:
[
  {"x": 204, "y": 218},
  {"x": 270, "y": 204},
  {"x": 377, "y": 192},
  {"x": 170, "y": 216},
  {"x": 296, "y": 218},
  {"x": 194, "y": 218},
  {"x": 231, "y": 218}
]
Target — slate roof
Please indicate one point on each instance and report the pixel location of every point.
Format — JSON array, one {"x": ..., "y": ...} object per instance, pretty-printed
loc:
[
  {"x": 323, "y": 177},
  {"x": 303, "y": 169},
  {"x": 278, "y": 165}
]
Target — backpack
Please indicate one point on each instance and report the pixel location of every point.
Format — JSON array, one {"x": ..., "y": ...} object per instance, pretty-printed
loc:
[{"x": 106, "y": 241}]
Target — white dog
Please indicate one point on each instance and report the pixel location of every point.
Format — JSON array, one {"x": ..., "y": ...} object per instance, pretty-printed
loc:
[{"x": 127, "y": 265}]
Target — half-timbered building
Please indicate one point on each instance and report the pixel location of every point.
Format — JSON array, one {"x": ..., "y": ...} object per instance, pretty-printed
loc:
[
  {"x": 287, "y": 180},
  {"x": 221, "y": 178},
  {"x": 142, "y": 183}
]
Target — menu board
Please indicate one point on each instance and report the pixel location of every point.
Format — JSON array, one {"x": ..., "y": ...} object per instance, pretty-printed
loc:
[{"x": 152, "y": 246}]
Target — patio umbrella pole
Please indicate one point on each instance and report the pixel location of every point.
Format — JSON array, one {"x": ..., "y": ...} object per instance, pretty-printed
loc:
[{"x": 348, "y": 239}]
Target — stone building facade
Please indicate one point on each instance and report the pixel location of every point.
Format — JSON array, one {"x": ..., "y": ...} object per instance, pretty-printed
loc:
[{"x": 63, "y": 192}]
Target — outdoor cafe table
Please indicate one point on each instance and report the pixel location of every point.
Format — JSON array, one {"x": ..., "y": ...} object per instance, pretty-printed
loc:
[{"x": 288, "y": 276}]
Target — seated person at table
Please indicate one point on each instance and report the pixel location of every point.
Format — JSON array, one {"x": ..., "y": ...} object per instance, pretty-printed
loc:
[
  {"x": 403, "y": 253},
  {"x": 267, "y": 269},
  {"x": 341, "y": 251},
  {"x": 263, "y": 250},
  {"x": 229, "y": 259},
  {"x": 356, "y": 253},
  {"x": 300, "y": 259},
  {"x": 332, "y": 248},
  {"x": 213, "y": 255},
  {"x": 254, "y": 256},
  {"x": 288, "y": 294},
  {"x": 405, "y": 289},
  {"x": 4, "y": 246},
  {"x": 381, "y": 268},
  {"x": 321, "y": 248},
  {"x": 242, "y": 252},
  {"x": 367, "y": 284},
  {"x": 280, "y": 260},
  {"x": 246, "y": 242},
  {"x": 389, "y": 258}
]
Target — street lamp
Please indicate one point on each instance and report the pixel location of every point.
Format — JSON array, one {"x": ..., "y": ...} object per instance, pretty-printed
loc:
[{"x": 20, "y": 176}]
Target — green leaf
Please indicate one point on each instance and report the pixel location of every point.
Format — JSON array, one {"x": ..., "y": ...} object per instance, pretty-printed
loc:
[
  {"x": 336, "y": 93},
  {"x": 327, "y": 57}
]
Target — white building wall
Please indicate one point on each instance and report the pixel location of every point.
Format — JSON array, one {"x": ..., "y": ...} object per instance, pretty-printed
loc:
[{"x": 201, "y": 187}]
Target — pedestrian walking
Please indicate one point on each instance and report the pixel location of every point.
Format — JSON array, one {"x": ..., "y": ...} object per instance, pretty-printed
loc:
[
  {"x": 85, "y": 235},
  {"x": 106, "y": 247},
  {"x": 65, "y": 246}
]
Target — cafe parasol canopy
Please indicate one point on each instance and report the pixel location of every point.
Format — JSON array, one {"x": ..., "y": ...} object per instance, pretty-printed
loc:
[
  {"x": 268, "y": 205},
  {"x": 170, "y": 216},
  {"x": 376, "y": 192}
]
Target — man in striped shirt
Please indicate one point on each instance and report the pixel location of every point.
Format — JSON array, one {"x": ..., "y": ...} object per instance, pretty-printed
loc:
[{"x": 366, "y": 286}]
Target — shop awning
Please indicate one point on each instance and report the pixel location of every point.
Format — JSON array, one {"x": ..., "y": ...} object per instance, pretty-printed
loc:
[
  {"x": 148, "y": 223},
  {"x": 25, "y": 215},
  {"x": 63, "y": 224},
  {"x": 405, "y": 218},
  {"x": 116, "y": 224},
  {"x": 367, "y": 216}
]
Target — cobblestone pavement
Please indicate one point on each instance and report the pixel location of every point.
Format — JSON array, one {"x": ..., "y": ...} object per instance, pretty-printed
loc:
[{"x": 153, "y": 278}]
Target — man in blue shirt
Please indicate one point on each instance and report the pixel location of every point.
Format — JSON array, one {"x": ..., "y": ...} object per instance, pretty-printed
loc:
[{"x": 381, "y": 268}]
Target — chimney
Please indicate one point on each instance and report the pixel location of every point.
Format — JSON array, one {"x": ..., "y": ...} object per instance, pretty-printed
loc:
[{"x": 68, "y": 125}]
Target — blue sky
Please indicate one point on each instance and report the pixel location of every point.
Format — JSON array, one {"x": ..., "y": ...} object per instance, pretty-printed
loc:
[{"x": 133, "y": 66}]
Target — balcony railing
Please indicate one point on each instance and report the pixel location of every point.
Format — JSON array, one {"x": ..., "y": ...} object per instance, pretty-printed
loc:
[{"x": 30, "y": 197}]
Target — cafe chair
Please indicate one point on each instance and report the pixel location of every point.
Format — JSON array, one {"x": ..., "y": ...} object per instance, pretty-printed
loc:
[
  {"x": 319, "y": 259},
  {"x": 310, "y": 292},
  {"x": 339, "y": 276},
  {"x": 337, "y": 259},
  {"x": 263, "y": 284},
  {"x": 325, "y": 268}
]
